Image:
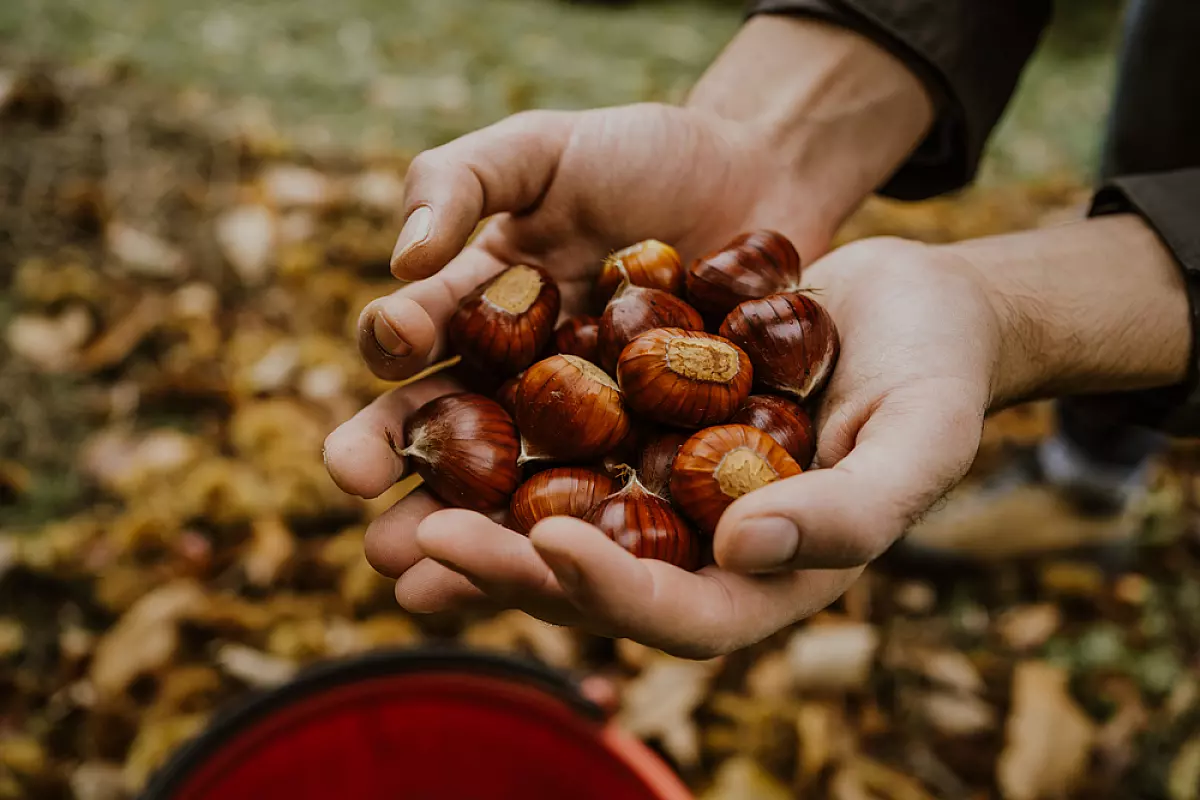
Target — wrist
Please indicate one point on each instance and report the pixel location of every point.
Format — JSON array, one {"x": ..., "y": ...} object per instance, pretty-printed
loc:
[
  {"x": 1092, "y": 306},
  {"x": 832, "y": 113}
]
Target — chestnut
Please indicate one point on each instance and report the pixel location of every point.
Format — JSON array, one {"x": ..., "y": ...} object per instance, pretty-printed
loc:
[
  {"x": 753, "y": 265},
  {"x": 656, "y": 460},
  {"x": 465, "y": 447},
  {"x": 646, "y": 525},
  {"x": 558, "y": 491},
  {"x": 579, "y": 337},
  {"x": 506, "y": 395},
  {"x": 718, "y": 465},
  {"x": 648, "y": 263},
  {"x": 791, "y": 340},
  {"x": 569, "y": 409},
  {"x": 686, "y": 379},
  {"x": 633, "y": 310},
  {"x": 784, "y": 421},
  {"x": 505, "y": 323}
]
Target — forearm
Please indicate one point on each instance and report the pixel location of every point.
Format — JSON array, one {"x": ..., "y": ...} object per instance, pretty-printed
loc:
[
  {"x": 1093, "y": 306},
  {"x": 836, "y": 111}
]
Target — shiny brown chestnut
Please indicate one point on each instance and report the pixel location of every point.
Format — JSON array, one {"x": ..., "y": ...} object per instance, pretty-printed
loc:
[
  {"x": 558, "y": 491},
  {"x": 506, "y": 395},
  {"x": 506, "y": 322},
  {"x": 656, "y": 460},
  {"x": 753, "y": 265},
  {"x": 632, "y": 311},
  {"x": 718, "y": 465},
  {"x": 569, "y": 409},
  {"x": 465, "y": 447},
  {"x": 791, "y": 340},
  {"x": 646, "y": 525},
  {"x": 685, "y": 379},
  {"x": 650, "y": 263},
  {"x": 579, "y": 336},
  {"x": 784, "y": 421}
]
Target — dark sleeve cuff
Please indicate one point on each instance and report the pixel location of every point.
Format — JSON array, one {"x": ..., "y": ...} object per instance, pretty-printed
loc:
[
  {"x": 1169, "y": 202},
  {"x": 969, "y": 55}
]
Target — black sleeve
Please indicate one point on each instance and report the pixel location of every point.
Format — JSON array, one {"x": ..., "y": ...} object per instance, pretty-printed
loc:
[
  {"x": 969, "y": 53},
  {"x": 1170, "y": 203}
]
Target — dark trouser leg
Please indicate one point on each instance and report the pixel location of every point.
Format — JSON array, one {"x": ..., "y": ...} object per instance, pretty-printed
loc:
[{"x": 1152, "y": 127}]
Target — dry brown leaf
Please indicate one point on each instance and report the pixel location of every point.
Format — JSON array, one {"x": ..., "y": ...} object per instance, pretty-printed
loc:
[
  {"x": 1183, "y": 781},
  {"x": 1048, "y": 737},
  {"x": 1182, "y": 698},
  {"x": 659, "y": 704},
  {"x": 886, "y": 783},
  {"x": 387, "y": 630},
  {"x": 272, "y": 548},
  {"x": 824, "y": 738},
  {"x": 12, "y": 637},
  {"x": 378, "y": 189},
  {"x": 254, "y": 667},
  {"x": 951, "y": 669},
  {"x": 742, "y": 778},
  {"x": 50, "y": 343},
  {"x": 770, "y": 677},
  {"x": 122, "y": 461},
  {"x": 915, "y": 597},
  {"x": 144, "y": 253},
  {"x": 956, "y": 714},
  {"x": 515, "y": 631},
  {"x": 98, "y": 780},
  {"x": 24, "y": 755},
  {"x": 115, "y": 343},
  {"x": 1028, "y": 627},
  {"x": 1132, "y": 589},
  {"x": 1072, "y": 578},
  {"x": 146, "y": 637},
  {"x": 155, "y": 743},
  {"x": 246, "y": 236},
  {"x": 832, "y": 657},
  {"x": 291, "y": 186}
]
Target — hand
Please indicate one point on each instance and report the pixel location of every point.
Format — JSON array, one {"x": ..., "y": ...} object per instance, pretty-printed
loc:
[{"x": 900, "y": 424}]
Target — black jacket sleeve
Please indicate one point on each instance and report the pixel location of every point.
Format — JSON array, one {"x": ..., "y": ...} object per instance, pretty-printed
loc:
[{"x": 969, "y": 53}]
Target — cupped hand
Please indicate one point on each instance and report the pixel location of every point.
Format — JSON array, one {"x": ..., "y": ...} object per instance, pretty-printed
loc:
[{"x": 899, "y": 424}]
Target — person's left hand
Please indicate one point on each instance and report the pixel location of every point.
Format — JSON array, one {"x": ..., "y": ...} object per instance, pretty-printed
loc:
[{"x": 899, "y": 424}]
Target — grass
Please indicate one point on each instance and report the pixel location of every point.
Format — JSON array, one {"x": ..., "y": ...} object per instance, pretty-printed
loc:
[{"x": 410, "y": 74}]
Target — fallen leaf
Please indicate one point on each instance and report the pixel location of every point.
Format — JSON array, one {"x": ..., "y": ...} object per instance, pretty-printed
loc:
[
  {"x": 24, "y": 755},
  {"x": 1026, "y": 628},
  {"x": 145, "y": 638},
  {"x": 1072, "y": 579},
  {"x": 956, "y": 714},
  {"x": 290, "y": 186},
  {"x": 951, "y": 669},
  {"x": 823, "y": 737},
  {"x": 144, "y": 253},
  {"x": 1132, "y": 589},
  {"x": 915, "y": 597},
  {"x": 516, "y": 631},
  {"x": 98, "y": 780},
  {"x": 115, "y": 343},
  {"x": 834, "y": 657},
  {"x": 185, "y": 690},
  {"x": 886, "y": 783},
  {"x": 770, "y": 677},
  {"x": 274, "y": 371},
  {"x": 1183, "y": 780},
  {"x": 246, "y": 236},
  {"x": 659, "y": 704},
  {"x": 379, "y": 189},
  {"x": 254, "y": 667},
  {"x": 1048, "y": 737},
  {"x": 272, "y": 548},
  {"x": 155, "y": 743},
  {"x": 741, "y": 778},
  {"x": 12, "y": 637},
  {"x": 50, "y": 343}
]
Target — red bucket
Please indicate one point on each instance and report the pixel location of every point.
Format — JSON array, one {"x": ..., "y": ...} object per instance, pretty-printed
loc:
[{"x": 419, "y": 724}]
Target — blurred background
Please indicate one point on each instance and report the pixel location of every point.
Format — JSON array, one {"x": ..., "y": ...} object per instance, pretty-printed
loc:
[{"x": 196, "y": 200}]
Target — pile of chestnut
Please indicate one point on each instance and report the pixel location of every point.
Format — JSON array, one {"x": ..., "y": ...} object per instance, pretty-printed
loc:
[{"x": 641, "y": 420}]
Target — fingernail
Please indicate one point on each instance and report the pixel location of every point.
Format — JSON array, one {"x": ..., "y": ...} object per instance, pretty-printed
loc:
[
  {"x": 389, "y": 338},
  {"x": 416, "y": 230},
  {"x": 766, "y": 543}
]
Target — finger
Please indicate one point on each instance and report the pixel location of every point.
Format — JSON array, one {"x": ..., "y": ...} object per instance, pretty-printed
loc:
[
  {"x": 399, "y": 334},
  {"x": 693, "y": 615},
  {"x": 430, "y": 588},
  {"x": 390, "y": 543},
  {"x": 915, "y": 445},
  {"x": 362, "y": 455},
  {"x": 505, "y": 167}
]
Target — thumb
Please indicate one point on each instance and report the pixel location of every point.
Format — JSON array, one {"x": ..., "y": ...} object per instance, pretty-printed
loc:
[
  {"x": 915, "y": 446},
  {"x": 505, "y": 167}
]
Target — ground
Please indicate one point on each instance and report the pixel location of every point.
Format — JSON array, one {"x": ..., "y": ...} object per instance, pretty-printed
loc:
[{"x": 194, "y": 207}]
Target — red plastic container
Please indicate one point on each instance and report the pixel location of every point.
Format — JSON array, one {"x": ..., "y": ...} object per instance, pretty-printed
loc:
[{"x": 419, "y": 724}]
